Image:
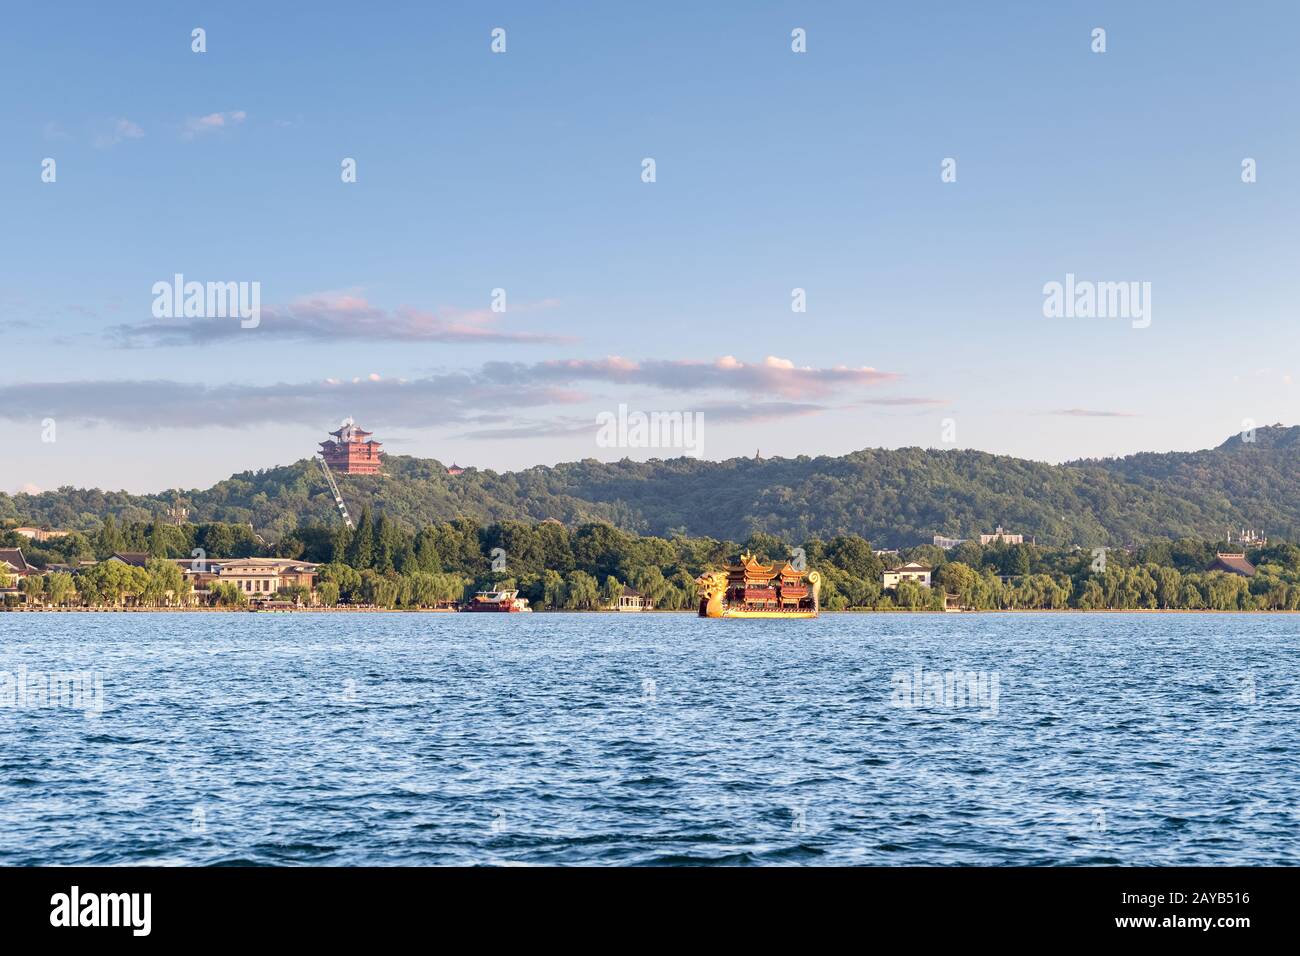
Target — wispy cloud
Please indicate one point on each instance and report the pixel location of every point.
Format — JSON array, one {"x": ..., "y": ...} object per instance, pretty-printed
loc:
[
  {"x": 754, "y": 412},
  {"x": 560, "y": 427},
  {"x": 1091, "y": 413},
  {"x": 713, "y": 412},
  {"x": 117, "y": 131},
  {"x": 903, "y": 400},
  {"x": 464, "y": 397},
  {"x": 772, "y": 376},
  {"x": 213, "y": 122},
  {"x": 334, "y": 316},
  {"x": 150, "y": 404}
]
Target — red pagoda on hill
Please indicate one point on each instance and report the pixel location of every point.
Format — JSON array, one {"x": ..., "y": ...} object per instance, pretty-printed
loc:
[{"x": 350, "y": 453}]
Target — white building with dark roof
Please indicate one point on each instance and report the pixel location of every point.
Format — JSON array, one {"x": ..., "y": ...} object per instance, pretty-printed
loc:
[{"x": 912, "y": 571}]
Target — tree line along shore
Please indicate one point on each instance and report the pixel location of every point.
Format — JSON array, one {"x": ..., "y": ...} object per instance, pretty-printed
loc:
[{"x": 382, "y": 564}]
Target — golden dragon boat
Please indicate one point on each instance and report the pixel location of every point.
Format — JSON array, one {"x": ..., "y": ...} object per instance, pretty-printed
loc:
[{"x": 754, "y": 589}]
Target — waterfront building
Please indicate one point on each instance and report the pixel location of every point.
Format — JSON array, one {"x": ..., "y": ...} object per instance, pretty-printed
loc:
[
  {"x": 259, "y": 577},
  {"x": 352, "y": 452},
  {"x": 13, "y": 564},
  {"x": 633, "y": 600},
  {"x": 912, "y": 571},
  {"x": 13, "y": 568}
]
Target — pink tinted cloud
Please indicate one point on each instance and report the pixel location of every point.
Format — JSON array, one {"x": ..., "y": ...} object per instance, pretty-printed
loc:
[
  {"x": 772, "y": 376},
  {"x": 342, "y": 315}
]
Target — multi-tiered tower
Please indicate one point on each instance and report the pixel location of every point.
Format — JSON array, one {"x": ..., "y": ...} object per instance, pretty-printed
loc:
[{"x": 351, "y": 453}]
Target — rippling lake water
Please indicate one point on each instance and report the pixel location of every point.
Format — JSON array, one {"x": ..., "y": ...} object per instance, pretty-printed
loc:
[{"x": 643, "y": 739}]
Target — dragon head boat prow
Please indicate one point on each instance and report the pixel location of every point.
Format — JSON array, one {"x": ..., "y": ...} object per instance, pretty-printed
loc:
[{"x": 754, "y": 589}]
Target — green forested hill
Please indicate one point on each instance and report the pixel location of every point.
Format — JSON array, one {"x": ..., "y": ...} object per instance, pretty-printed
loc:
[{"x": 892, "y": 497}]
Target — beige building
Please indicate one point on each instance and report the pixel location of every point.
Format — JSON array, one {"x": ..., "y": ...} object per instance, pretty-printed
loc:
[
  {"x": 920, "y": 573},
  {"x": 40, "y": 534},
  {"x": 259, "y": 577},
  {"x": 1006, "y": 537}
]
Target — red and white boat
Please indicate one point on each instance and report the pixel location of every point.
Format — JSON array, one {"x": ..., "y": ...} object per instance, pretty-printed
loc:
[{"x": 507, "y": 602}]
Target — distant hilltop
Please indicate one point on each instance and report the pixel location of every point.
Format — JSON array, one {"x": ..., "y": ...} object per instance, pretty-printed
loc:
[{"x": 899, "y": 497}]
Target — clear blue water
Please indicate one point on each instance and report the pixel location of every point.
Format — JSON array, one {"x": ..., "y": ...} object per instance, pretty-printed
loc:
[{"x": 639, "y": 739}]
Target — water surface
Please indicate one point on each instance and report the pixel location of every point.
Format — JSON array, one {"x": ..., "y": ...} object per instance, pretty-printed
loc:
[{"x": 651, "y": 739}]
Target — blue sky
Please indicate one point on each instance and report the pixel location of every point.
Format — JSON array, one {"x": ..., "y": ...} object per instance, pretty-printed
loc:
[{"x": 522, "y": 171}]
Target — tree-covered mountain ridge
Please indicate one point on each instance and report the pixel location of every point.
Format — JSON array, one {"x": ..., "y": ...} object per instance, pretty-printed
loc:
[{"x": 893, "y": 497}]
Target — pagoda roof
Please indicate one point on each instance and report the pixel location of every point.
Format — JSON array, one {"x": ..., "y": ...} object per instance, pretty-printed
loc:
[
  {"x": 13, "y": 557},
  {"x": 1234, "y": 562},
  {"x": 751, "y": 563},
  {"x": 350, "y": 432}
]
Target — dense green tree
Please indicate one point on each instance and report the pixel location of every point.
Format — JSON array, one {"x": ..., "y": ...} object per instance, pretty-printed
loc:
[
  {"x": 854, "y": 555},
  {"x": 60, "y": 588},
  {"x": 960, "y": 579},
  {"x": 109, "y": 539},
  {"x": 426, "y": 551},
  {"x": 581, "y": 591},
  {"x": 345, "y": 577},
  {"x": 610, "y": 592},
  {"x": 552, "y": 589},
  {"x": 33, "y": 588},
  {"x": 361, "y": 549},
  {"x": 225, "y": 594},
  {"x": 164, "y": 584}
]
